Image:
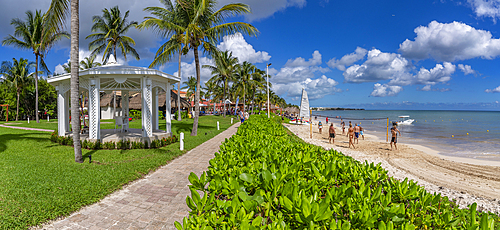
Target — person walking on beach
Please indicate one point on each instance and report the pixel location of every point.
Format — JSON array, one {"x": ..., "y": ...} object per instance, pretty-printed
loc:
[
  {"x": 394, "y": 131},
  {"x": 342, "y": 123},
  {"x": 326, "y": 120},
  {"x": 350, "y": 133},
  {"x": 356, "y": 133},
  {"x": 350, "y": 126},
  {"x": 320, "y": 127},
  {"x": 331, "y": 139},
  {"x": 361, "y": 132}
]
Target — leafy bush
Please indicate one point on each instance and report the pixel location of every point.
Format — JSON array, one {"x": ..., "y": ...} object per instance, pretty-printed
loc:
[
  {"x": 121, "y": 144},
  {"x": 146, "y": 145},
  {"x": 137, "y": 145},
  {"x": 109, "y": 145},
  {"x": 96, "y": 145},
  {"x": 136, "y": 114},
  {"x": 262, "y": 178}
]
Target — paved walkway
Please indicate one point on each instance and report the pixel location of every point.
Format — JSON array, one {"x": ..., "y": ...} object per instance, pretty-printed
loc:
[
  {"x": 154, "y": 202},
  {"x": 26, "y": 128}
]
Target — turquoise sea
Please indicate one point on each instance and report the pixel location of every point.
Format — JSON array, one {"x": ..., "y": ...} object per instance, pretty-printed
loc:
[{"x": 444, "y": 131}]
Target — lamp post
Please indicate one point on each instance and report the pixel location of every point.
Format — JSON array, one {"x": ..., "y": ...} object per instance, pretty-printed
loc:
[{"x": 267, "y": 75}]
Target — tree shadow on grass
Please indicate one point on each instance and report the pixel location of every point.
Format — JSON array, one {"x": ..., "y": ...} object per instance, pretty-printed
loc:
[{"x": 5, "y": 138}]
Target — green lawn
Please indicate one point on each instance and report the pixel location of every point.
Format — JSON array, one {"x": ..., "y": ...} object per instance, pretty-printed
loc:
[{"x": 39, "y": 180}]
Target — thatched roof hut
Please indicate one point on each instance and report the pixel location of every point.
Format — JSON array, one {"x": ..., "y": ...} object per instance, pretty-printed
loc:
[
  {"x": 107, "y": 100},
  {"x": 293, "y": 110},
  {"x": 135, "y": 101}
]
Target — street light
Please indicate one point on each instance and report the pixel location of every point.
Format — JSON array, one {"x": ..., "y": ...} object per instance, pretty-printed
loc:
[{"x": 267, "y": 75}]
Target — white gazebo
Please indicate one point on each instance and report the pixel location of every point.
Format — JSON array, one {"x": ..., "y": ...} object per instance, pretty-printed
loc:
[{"x": 116, "y": 77}]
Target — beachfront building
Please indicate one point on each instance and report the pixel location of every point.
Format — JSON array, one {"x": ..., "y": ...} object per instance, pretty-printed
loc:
[{"x": 110, "y": 78}]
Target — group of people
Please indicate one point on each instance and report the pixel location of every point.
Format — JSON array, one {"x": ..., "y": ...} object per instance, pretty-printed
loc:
[{"x": 355, "y": 132}]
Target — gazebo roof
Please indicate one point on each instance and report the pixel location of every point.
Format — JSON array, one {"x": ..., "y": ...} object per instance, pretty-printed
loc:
[{"x": 116, "y": 76}]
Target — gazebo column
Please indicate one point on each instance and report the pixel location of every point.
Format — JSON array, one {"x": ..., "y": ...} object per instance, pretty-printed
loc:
[
  {"x": 67, "y": 96},
  {"x": 147, "y": 108},
  {"x": 125, "y": 102},
  {"x": 61, "y": 111},
  {"x": 94, "y": 113},
  {"x": 168, "y": 117},
  {"x": 155, "y": 108}
]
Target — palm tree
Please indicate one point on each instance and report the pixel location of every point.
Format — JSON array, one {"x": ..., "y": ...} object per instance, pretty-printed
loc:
[
  {"x": 256, "y": 83},
  {"x": 245, "y": 71},
  {"x": 34, "y": 34},
  {"x": 110, "y": 28},
  {"x": 223, "y": 71},
  {"x": 168, "y": 23},
  {"x": 18, "y": 74},
  {"x": 190, "y": 85},
  {"x": 206, "y": 27},
  {"x": 89, "y": 62},
  {"x": 55, "y": 20},
  {"x": 67, "y": 67}
]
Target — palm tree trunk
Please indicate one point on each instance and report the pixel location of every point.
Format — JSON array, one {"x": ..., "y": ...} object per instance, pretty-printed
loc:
[
  {"x": 179, "y": 90},
  {"x": 36, "y": 89},
  {"x": 224, "y": 99},
  {"x": 75, "y": 83},
  {"x": 17, "y": 107},
  {"x": 253, "y": 101},
  {"x": 194, "y": 132}
]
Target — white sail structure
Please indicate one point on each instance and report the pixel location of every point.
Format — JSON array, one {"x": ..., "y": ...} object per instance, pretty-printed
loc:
[{"x": 304, "y": 105}]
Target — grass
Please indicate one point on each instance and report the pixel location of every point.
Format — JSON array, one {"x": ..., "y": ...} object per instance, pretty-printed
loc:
[{"x": 39, "y": 180}]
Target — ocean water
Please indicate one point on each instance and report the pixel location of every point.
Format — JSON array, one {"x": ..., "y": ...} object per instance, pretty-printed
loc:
[{"x": 444, "y": 131}]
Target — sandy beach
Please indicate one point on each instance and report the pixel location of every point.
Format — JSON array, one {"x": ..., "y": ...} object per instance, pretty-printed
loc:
[{"x": 465, "y": 180}]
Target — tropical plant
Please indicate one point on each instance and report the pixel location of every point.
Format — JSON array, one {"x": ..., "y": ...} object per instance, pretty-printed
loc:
[
  {"x": 38, "y": 35},
  {"x": 243, "y": 77},
  {"x": 223, "y": 71},
  {"x": 89, "y": 62},
  {"x": 110, "y": 28},
  {"x": 207, "y": 25},
  {"x": 256, "y": 83},
  {"x": 55, "y": 20},
  {"x": 168, "y": 23},
  {"x": 190, "y": 85},
  {"x": 67, "y": 67},
  {"x": 18, "y": 74}
]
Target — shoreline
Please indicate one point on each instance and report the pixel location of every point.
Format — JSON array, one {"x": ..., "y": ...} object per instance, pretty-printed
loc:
[
  {"x": 419, "y": 147},
  {"x": 463, "y": 180}
]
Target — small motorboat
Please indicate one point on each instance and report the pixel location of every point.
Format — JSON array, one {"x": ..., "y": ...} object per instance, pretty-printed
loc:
[{"x": 405, "y": 120}]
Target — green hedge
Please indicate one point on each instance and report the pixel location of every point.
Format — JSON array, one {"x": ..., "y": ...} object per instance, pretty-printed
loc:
[{"x": 262, "y": 178}]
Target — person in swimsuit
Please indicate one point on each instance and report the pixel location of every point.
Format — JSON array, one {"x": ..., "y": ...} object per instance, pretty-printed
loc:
[
  {"x": 361, "y": 132},
  {"x": 320, "y": 127},
  {"x": 356, "y": 133},
  {"x": 350, "y": 133},
  {"x": 342, "y": 123},
  {"x": 394, "y": 131},
  {"x": 327, "y": 120},
  {"x": 331, "y": 139}
]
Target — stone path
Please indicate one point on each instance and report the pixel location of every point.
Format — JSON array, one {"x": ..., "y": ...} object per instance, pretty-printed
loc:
[
  {"x": 26, "y": 128},
  {"x": 155, "y": 202}
]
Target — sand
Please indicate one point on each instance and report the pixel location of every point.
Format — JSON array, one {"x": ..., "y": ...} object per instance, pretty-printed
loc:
[{"x": 462, "y": 179}]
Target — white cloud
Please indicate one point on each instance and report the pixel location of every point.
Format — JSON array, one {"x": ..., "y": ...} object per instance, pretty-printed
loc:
[
  {"x": 495, "y": 90},
  {"x": 378, "y": 66},
  {"x": 242, "y": 50},
  {"x": 298, "y": 69},
  {"x": 384, "y": 90},
  {"x": 264, "y": 8},
  {"x": 486, "y": 8},
  {"x": 316, "y": 88},
  {"x": 438, "y": 74},
  {"x": 429, "y": 88},
  {"x": 467, "y": 69},
  {"x": 189, "y": 70},
  {"x": 301, "y": 62},
  {"x": 450, "y": 42},
  {"x": 348, "y": 59}
]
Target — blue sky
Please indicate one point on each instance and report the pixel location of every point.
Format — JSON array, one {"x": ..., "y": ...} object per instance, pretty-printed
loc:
[{"x": 369, "y": 54}]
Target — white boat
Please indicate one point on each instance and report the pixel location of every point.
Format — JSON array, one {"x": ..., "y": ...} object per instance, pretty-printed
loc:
[
  {"x": 405, "y": 120},
  {"x": 304, "y": 112}
]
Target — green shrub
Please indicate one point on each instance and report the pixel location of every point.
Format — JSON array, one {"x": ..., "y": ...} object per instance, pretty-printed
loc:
[
  {"x": 96, "y": 145},
  {"x": 123, "y": 144},
  {"x": 109, "y": 145},
  {"x": 146, "y": 145},
  {"x": 137, "y": 145},
  {"x": 262, "y": 178}
]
